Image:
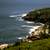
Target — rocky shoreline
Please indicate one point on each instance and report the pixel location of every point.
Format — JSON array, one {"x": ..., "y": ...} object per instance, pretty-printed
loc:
[
  {"x": 39, "y": 15},
  {"x": 42, "y": 16}
]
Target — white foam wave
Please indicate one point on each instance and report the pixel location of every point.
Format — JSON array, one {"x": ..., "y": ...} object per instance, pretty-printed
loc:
[
  {"x": 33, "y": 29},
  {"x": 20, "y": 19},
  {"x": 26, "y": 26},
  {"x": 24, "y": 14},
  {"x": 29, "y": 22},
  {"x": 13, "y": 16},
  {"x": 36, "y": 27},
  {"x": 20, "y": 38},
  {"x": 21, "y": 15}
]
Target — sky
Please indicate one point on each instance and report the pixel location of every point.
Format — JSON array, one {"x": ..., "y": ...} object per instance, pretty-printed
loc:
[
  {"x": 8, "y": 6},
  {"x": 15, "y": 2},
  {"x": 25, "y": 1}
]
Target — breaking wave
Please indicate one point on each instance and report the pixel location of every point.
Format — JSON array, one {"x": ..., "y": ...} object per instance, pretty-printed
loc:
[
  {"x": 18, "y": 17},
  {"x": 26, "y": 26},
  {"x": 29, "y": 22},
  {"x": 21, "y": 15}
]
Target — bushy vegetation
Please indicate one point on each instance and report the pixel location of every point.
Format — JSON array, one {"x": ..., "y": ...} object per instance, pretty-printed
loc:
[
  {"x": 44, "y": 36},
  {"x": 39, "y": 15},
  {"x": 35, "y": 45}
]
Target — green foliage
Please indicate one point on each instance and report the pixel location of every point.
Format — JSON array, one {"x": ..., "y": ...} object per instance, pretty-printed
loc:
[
  {"x": 39, "y": 15},
  {"x": 17, "y": 43},
  {"x": 44, "y": 36},
  {"x": 35, "y": 45}
]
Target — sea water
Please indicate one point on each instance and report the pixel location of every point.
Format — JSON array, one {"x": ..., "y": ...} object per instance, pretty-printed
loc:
[{"x": 12, "y": 26}]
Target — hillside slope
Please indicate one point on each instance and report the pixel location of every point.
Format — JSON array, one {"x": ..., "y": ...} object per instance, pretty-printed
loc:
[
  {"x": 35, "y": 45},
  {"x": 39, "y": 15}
]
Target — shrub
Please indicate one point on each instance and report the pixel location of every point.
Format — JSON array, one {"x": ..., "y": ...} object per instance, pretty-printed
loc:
[{"x": 44, "y": 35}]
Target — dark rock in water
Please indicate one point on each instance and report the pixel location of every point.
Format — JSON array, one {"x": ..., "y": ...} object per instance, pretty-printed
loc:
[{"x": 33, "y": 38}]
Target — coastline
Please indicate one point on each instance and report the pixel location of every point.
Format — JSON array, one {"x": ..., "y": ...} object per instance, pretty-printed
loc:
[{"x": 33, "y": 32}]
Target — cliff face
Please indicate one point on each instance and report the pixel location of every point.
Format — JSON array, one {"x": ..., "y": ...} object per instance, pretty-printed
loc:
[{"x": 40, "y": 15}]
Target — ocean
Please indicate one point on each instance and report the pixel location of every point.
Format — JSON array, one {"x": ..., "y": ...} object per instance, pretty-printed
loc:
[{"x": 12, "y": 26}]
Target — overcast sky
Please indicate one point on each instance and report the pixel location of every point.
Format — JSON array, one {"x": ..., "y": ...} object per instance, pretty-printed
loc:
[
  {"x": 13, "y": 5},
  {"x": 24, "y": 1},
  {"x": 16, "y": 2}
]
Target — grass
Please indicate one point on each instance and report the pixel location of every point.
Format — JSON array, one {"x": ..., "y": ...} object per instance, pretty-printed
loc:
[{"x": 35, "y": 45}]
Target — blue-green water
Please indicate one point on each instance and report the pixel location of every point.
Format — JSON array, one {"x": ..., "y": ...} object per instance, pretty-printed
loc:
[{"x": 11, "y": 28}]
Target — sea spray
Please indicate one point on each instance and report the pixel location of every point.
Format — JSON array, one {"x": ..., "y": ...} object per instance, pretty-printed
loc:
[{"x": 18, "y": 17}]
